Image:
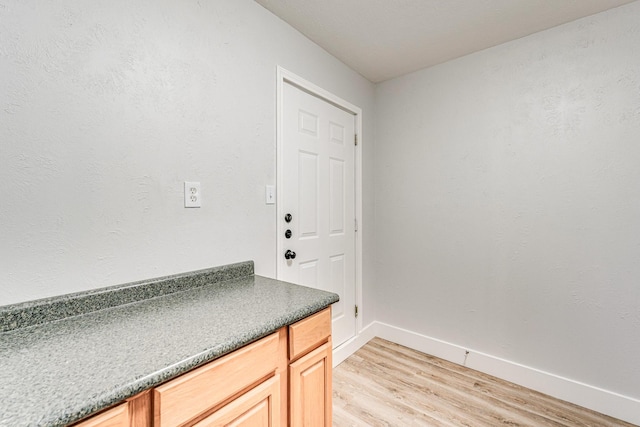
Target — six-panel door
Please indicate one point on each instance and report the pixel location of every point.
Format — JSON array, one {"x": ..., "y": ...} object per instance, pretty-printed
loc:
[{"x": 318, "y": 191}]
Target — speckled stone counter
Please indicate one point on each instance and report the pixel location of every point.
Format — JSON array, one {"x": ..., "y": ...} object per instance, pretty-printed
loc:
[{"x": 55, "y": 370}]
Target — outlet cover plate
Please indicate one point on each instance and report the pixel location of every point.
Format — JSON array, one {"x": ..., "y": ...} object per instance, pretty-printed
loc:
[{"x": 192, "y": 195}]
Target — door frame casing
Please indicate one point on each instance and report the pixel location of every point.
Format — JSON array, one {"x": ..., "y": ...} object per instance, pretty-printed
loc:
[{"x": 286, "y": 77}]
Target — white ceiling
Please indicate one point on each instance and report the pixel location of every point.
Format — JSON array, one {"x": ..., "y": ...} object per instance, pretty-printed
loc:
[{"x": 382, "y": 39}]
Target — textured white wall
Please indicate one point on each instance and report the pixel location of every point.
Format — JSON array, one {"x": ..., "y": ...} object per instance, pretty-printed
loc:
[
  {"x": 507, "y": 201},
  {"x": 106, "y": 107}
]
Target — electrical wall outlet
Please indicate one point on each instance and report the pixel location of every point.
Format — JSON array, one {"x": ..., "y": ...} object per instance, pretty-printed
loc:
[{"x": 192, "y": 196}]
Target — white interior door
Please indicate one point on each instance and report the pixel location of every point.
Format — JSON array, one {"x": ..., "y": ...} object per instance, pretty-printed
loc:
[{"x": 318, "y": 191}]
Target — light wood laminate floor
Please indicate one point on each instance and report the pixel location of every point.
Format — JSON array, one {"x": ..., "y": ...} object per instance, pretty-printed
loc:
[{"x": 386, "y": 384}]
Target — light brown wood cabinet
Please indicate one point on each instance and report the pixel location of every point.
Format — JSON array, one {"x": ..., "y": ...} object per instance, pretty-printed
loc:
[
  {"x": 310, "y": 371},
  {"x": 115, "y": 417},
  {"x": 197, "y": 394},
  {"x": 258, "y": 407},
  {"x": 281, "y": 380},
  {"x": 134, "y": 412}
]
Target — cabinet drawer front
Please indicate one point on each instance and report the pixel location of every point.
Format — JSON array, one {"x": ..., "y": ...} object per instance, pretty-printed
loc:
[
  {"x": 114, "y": 417},
  {"x": 309, "y": 333},
  {"x": 260, "y": 406},
  {"x": 192, "y": 394}
]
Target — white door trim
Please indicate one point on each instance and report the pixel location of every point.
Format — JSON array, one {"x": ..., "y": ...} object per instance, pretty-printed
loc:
[{"x": 285, "y": 76}]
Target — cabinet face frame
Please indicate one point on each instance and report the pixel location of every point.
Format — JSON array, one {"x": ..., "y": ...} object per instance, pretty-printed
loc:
[{"x": 305, "y": 376}]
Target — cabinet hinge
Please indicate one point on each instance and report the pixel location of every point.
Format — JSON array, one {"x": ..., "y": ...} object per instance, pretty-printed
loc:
[
  {"x": 355, "y": 138},
  {"x": 356, "y": 312},
  {"x": 356, "y": 223}
]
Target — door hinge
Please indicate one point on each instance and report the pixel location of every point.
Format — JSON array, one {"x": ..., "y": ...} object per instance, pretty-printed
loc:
[
  {"x": 356, "y": 312},
  {"x": 356, "y": 223},
  {"x": 355, "y": 138}
]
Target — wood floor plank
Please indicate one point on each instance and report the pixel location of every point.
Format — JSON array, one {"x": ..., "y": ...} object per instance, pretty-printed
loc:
[
  {"x": 386, "y": 384},
  {"x": 509, "y": 393},
  {"x": 396, "y": 410},
  {"x": 449, "y": 397},
  {"x": 452, "y": 382}
]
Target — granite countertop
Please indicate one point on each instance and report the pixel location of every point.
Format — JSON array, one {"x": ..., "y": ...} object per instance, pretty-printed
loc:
[{"x": 68, "y": 357}]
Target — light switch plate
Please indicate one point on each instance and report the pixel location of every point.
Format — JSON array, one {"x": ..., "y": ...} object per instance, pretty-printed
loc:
[
  {"x": 192, "y": 196},
  {"x": 270, "y": 195}
]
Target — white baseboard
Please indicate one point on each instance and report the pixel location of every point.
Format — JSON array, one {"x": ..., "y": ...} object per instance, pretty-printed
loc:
[
  {"x": 603, "y": 401},
  {"x": 349, "y": 347}
]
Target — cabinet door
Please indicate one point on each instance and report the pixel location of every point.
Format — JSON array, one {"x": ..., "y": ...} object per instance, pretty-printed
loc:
[
  {"x": 259, "y": 407},
  {"x": 310, "y": 389}
]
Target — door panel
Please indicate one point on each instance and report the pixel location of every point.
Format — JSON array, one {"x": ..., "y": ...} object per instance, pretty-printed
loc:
[
  {"x": 318, "y": 190},
  {"x": 309, "y": 273},
  {"x": 308, "y": 193},
  {"x": 336, "y": 197}
]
